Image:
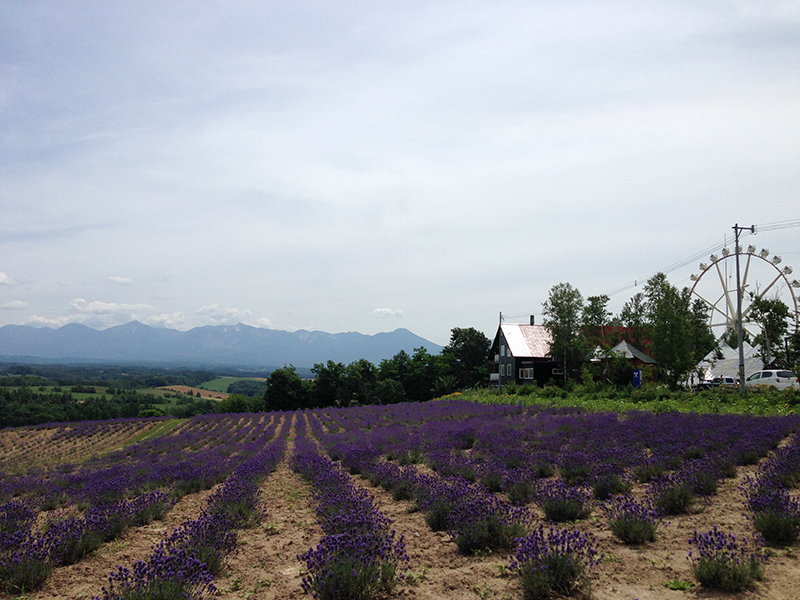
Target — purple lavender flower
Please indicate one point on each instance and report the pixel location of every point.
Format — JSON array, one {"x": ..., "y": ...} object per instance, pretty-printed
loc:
[
  {"x": 553, "y": 560},
  {"x": 720, "y": 561}
]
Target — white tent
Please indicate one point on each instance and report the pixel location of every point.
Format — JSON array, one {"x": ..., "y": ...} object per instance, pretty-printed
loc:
[{"x": 728, "y": 365}]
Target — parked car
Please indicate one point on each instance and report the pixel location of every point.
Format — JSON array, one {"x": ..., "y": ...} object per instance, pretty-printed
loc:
[
  {"x": 776, "y": 378},
  {"x": 715, "y": 382},
  {"x": 724, "y": 382}
]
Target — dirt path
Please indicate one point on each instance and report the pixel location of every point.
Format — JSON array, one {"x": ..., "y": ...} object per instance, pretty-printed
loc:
[
  {"x": 266, "y": 565},
  {"x": 87, "y": 577}
]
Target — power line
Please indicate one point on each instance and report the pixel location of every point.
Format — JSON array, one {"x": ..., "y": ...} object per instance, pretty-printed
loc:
[
  {"x": 703, "y": 253},
  {"x": 778, "y": 225}
]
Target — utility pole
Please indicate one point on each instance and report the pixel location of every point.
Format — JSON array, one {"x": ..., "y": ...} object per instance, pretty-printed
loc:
[{"x": 739, "y": 328}]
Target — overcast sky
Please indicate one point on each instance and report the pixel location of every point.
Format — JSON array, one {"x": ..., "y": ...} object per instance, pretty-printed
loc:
[{"x": 365, "y": 166}]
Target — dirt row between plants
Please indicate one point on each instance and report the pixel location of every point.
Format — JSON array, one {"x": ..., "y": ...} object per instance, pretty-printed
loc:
[
  {"x": 266, "y": 566},
  {"x": 24, "y": 448},
  {"x": 86, "y": 578},
  {"x": 437, "y": 570}
]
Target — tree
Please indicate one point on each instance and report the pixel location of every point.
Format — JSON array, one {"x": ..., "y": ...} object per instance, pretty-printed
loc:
[
  {"x": 422, "y": 372},
  {"x": 595, "y": 319},
  {"x": 467, "y": 356},
  {"x": 562, "y": 313},
  {"x": 633, "y": 318},
  {"x": 772, "y": 316},
  {"x": 285, "y": 390},
  {"x": 235, "y": 403},
  {"x": 358, "y": 384},
  {"x": 793, "y": 351},
  {"x": 328, "y": 382},
  {"x": 678, "y": 330}
]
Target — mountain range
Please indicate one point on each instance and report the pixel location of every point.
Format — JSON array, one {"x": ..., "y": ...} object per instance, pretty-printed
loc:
[{"x": 237, "y": 345}]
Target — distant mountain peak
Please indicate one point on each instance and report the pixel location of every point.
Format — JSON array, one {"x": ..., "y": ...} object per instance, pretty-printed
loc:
[{"x": 230, "y": 345}]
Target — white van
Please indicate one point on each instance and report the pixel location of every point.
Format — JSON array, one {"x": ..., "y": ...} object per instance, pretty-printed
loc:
[{"x": 776, "y": 378}]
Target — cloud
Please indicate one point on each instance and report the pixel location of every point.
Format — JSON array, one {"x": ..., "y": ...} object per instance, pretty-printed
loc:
[
  {"x": 384, "y": 313},
  {"x": 108, "y": 308},
  {"x": 99, "y": 314},
  {"x": 170, "y": 321},
  {"x": 4, "y": 279},
  {"x": 121, "y": 280},
  {"x": 37, "y": 321},
  {"x": 215, "y": 315},
  {"x": 14, "y": 305}
]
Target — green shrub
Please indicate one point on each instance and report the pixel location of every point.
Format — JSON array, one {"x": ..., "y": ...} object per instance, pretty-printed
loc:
[
  {"x": 493, "y": 481},
  {"x": 605, "y": 487},
  {"x": 520, "y": 492},
  {"x": 488, "y": 533},
  {"x": 777, "y": 528},
  {"x": 402, "y": 491},
  {"x": 560, "y": 510},
  {"x": 675, "y": 499},
  {"x": 727, "y": 576}
]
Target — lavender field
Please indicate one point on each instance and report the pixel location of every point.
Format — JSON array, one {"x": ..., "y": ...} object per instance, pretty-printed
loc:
[{"x": 446, "y": 499}]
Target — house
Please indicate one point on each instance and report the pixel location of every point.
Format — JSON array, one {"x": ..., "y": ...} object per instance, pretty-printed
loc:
[
  {"x": 520, "y": 352},
  {"x": 636, "y": 359},
  {"x": 636, "y": 356}
]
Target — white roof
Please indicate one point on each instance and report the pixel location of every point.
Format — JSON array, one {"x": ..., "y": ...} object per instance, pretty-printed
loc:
[
  {"x": 527, "y": 340},
  {"x": 728, "y": 365}
]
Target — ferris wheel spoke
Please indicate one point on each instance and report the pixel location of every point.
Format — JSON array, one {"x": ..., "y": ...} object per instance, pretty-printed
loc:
[
  {"x": 714, "y": 306},
  {"x": 766, "y": 289},
  {"x": 725, "y": 291},
  {"x": 746, "y": 272}
]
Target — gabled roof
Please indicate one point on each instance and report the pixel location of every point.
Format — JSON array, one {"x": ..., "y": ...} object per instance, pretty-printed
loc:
[
  {"x": 629, "y": 351},
  {"x": 525, "y": 341},
  {"x": 728, "y": 365}
]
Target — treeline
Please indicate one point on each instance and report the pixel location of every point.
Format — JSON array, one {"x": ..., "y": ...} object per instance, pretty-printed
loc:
[
  {"x": 417, "y": 377},
  {"x": 27, "y": 406},
  {"x": 122, "y": 377}
]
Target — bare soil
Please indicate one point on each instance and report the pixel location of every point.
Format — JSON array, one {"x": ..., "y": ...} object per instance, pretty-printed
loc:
[
  {"x": 22, "y": 448},
  {"x": 266, "y": 565},
  {"x": 185, "y": 389}
]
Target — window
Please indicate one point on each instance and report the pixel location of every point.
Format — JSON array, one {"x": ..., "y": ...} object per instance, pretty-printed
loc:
[
  {"x": 502, "y": 370},
  {"x": 502, "y": 349}
]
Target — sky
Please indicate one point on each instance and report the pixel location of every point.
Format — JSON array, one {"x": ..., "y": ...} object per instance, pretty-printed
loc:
[{"x": 367, "y": 166}]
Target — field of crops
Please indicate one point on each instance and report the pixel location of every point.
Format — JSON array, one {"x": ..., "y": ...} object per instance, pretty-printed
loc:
[{"x": 446, "y": 499}]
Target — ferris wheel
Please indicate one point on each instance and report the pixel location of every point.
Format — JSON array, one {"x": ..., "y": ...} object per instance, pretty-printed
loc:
[{"x": 761, "y": 277}]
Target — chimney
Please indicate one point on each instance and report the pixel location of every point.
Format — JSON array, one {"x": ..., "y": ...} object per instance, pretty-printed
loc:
[{"x": 532, "y": 320}]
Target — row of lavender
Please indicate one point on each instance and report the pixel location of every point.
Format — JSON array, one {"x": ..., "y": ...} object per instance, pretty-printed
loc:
[
  {"x": 359, "y": 555},
  {"x": 510, "y": 449},
  {"x": 681, "y": 456},
  {"x": 197, "y": 455},
  {"x": 184, "y": 564},
  {"x": 126, "y": 489},
  {"x": 774, "y": 508},
  {"x": 547, "y": 560}
]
